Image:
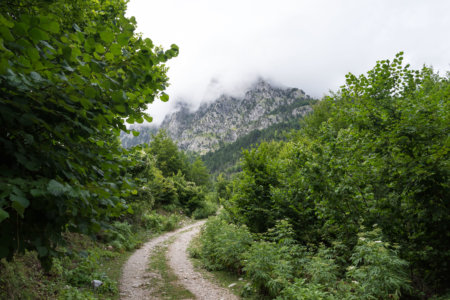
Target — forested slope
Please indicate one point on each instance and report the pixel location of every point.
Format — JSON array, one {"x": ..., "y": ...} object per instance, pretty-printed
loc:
[{"x": 226, "y": 158}]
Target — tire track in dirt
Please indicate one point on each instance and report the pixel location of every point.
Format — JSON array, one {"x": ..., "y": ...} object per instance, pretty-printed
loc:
[
  {"x": 134, "y": 282},
  {"x": 178, "y": 259}
]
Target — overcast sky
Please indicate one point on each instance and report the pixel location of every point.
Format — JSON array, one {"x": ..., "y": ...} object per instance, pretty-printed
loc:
[{"x": 311, "y": 44}]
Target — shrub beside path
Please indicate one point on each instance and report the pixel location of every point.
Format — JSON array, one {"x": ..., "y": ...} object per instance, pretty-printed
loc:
[{"x": 136, "y": 276}]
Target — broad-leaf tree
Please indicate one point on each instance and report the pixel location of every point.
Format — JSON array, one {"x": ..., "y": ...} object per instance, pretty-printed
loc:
[
  {"x": 71, "y": 72},
  {"x": 375, "y": 152}
]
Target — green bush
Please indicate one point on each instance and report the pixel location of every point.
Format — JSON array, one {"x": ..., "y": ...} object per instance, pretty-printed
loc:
[
  {"x": 170, "y": 222},
  {"x": 140, "y": 208},
  {"x": 223, "y": 244},
  {"x": 15, "y": 282},
  {"x": 159, "y": 222},
  {"x": 87, "y": 269},
  {"x": 268, "y": 268},
  {"x": 152, "y": 221},
  {"x": 72, "y": 293},
  {"x": 207, "y": 208},
  {"x": 300, "y": 290},
  {"x": 278, "y": 266},
  {"x": 377, "y": 271},
  {"x": 120, "y": 235},
  {"x": 374, "y": 152},
  {"x": 321, "y": 268}
]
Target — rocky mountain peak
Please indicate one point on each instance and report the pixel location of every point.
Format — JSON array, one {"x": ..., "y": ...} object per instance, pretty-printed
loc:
[{"x": 228, "y": 118}]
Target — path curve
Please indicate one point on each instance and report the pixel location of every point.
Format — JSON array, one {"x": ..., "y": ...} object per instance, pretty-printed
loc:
[
  {"x": 135, "y": 274},
  {"x": 178, "y": 259}
]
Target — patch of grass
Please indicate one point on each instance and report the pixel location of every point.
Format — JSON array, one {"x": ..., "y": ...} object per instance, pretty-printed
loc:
[
  {"x": 24, "y": 279},
  {"x": 167, "y": 287}
]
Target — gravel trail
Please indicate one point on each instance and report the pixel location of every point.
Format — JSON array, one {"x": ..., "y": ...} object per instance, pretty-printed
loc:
[
  {"x": 181, "y": 265},
  {"x": 134, "y": 283}
]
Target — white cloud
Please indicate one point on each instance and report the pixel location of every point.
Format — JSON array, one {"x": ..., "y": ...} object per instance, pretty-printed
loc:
[{"x": 306, "y": 44}]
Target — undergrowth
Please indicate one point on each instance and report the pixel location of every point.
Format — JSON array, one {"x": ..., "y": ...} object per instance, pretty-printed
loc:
[
  {"x": 83, "y": 260},
  {"x": 277, "y": 266}
]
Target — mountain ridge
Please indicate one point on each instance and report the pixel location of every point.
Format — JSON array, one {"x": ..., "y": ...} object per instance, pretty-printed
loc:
[{"x": 229, "y": 117}]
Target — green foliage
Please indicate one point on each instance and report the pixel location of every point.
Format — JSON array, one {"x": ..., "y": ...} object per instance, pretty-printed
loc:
[
  {"x": 382, "y": 157},
  {"x": 376, "y": 269},
  {"x": 120, "y": 236},
  {"x": 273, "y": 262},
  {"x": 168, "y": 158},
  {"x": 14, "y": 280},
  {"x": 181, "y": 190},
  {"x": 223, "y": 188},
  {"x": 227, "y": 156},
  {"x": 302, "y": 291},
  {"x": 159, "y": 222},
  {"x": 88, "y": 269},
  {"x": 278, "y": 266},
  {"x": 252, "y": 203},
  {"x": 72, "y": 293},
  {"x": 168, "y": 179},
  {"x": 189, "y": 195},
  {"x": 375, "y": 152},
  {"x": 198, "y": 173},
  {"x": 207, "y": 208},
  {"x": 164, "y": 190},
  {"x": 321, "y": 267},
  {"x": 267, "y": 267},
  {"x": 69, "y": 278},
  {"x": 70, "y": 73},
  {"x": 223, "y": 245}
]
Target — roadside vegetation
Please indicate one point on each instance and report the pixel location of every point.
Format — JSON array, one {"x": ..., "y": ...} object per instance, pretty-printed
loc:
[{"x": 354, "y": 205}]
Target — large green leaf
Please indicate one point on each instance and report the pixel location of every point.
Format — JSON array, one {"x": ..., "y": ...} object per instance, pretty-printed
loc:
[
  {"x": 19, "y": 203},
  {"x": 56, "y": 188},
  {"x": 164, "y": 97},
  {"x": 107, "y": 36},
  {"x": 3, "y": 215},
  {"x": 37, "y": 35}
]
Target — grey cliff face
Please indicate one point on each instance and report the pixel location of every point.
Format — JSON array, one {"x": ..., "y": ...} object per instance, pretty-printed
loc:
[{"x": 228, "y": 117}]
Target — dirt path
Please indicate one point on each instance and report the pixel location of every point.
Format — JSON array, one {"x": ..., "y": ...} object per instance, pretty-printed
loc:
[
  {"x": 190, "y": 279},
  {"x": 135, "y": 274},
  {"x": 134, "y": 284}
]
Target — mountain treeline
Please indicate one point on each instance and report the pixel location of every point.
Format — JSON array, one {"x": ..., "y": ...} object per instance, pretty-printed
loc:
[
  {"x": 355, "y": 205},
  {"x": 226, "y": 158}
]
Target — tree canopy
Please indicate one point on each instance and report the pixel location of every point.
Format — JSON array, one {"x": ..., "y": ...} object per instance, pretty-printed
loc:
[{"x": 71, "y": 72}]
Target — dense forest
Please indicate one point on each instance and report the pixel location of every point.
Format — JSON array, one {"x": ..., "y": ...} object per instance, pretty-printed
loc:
[
  {"x": 352, "y": 204},
  {"x": 355, "y": 204}
]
